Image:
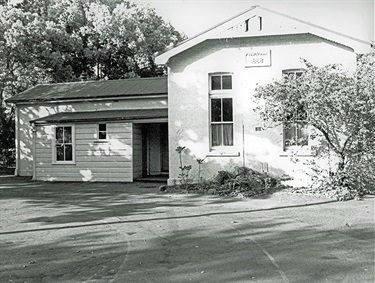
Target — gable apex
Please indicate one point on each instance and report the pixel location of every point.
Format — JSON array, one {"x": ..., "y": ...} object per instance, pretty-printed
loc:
[{"x": 259, "y": 21}]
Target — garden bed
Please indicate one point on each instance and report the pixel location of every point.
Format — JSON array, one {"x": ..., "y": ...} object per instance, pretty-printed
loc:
[
  {"x": 244, "y": 182},
  {"x": 241, "y": 183}
]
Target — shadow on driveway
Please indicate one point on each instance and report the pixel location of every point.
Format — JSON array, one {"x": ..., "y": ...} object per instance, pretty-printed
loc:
[{"x": 112, "y": 232}]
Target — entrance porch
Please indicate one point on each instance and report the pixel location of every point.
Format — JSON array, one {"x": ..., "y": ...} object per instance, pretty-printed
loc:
[{"x": 150, "y": 151}]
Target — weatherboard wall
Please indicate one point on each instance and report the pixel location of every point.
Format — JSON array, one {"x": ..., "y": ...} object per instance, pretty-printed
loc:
[
  {"x": 104, "y": 161},
  {"x": 27, "y": 112}
]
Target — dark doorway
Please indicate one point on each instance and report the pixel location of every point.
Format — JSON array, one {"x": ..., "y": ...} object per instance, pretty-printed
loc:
[
  {"x": 164, "y": 151},
  {"x": 150, "y": 151},
  {"x": 145, "y": 152}
]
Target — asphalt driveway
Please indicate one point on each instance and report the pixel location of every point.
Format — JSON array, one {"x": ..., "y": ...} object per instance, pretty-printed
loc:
[{"x": 111, "y": 232}]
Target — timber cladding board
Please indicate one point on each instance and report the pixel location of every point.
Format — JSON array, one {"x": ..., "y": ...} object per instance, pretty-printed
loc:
[
  {"x": 79, "y": 178},
  {"x": 73, "y": 171},
  {"x": 96, "y": 143},
  {"x": 83, "y": 165}
]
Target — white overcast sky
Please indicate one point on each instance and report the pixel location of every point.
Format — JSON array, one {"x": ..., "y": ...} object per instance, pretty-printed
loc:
[{"x": 353, "y": 17}]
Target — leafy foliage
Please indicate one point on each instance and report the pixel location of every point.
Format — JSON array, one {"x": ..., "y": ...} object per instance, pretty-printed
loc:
[
  {"x": 60, "y": 40},
  {"x": 7, "y": 154},
  {"x": 63, "y": 38},
  {"x": 340, "y": 107}
]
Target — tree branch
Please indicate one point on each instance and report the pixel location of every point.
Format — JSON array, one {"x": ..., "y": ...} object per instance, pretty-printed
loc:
[{"x": 328, "y": 139}]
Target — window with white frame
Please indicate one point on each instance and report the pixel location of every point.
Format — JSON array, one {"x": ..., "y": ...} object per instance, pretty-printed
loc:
[
  {"x": 221, "y": 82},
  {"x": 102, "y": 131},
  {"x": 296, "y": 132},
  {"x": 64, "y": 144},
  {"x": 221, "y": 108}
]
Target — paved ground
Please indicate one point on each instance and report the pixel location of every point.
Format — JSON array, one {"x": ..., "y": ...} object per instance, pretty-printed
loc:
[{"x": 73, "y": 232}]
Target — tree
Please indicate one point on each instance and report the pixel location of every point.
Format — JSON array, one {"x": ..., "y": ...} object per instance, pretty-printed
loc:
[
  {"x": 125, "y": 38},
  {"x": 59, "y": 40},
  {"x": 340, "y": 108}
]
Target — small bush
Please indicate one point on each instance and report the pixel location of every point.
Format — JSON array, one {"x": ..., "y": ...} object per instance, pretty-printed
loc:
[
  {"x": 330, "y": 189},
  {"x": 223, "y": 176},
  {"x": 341, "y": 185}
]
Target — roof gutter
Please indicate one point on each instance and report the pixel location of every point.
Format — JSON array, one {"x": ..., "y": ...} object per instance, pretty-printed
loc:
[
  {"x": 112, "y": 119},
  {"x": 20, "y": 102}
]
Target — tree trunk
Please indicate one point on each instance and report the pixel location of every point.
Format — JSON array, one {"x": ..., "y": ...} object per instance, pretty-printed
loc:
[
  {"x": 341, "y": 177},
  {"x": 341, "y": 164}
]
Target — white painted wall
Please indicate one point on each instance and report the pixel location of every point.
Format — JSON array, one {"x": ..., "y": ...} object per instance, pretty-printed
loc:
[{"x": 188, "y": 85}]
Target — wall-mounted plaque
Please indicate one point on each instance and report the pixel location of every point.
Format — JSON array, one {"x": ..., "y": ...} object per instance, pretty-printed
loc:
[{"x": 258, "y": 58}]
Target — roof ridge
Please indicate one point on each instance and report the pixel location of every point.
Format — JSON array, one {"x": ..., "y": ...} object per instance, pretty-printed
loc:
[
  {"x": 211, "y": 28},
  {"x": 314, "y": 25}
]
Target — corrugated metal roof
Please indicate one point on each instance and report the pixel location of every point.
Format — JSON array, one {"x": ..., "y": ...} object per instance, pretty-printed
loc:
[
  {"x": 107, "y": 115},
  {"x": 93, "y": 89}
]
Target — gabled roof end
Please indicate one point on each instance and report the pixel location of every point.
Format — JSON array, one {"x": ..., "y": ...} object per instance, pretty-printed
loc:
[{"x": 221, "y": 31}]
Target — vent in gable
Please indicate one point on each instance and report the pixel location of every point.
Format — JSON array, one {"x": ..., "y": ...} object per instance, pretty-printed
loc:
[
  {"x": 254, "y": 24},
  {"x": 260, "y": 23},
  {"x": 247, "y": 25}
]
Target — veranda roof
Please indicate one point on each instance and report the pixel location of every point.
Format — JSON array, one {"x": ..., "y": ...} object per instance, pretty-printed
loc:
[{"x": 107, "y": 115}]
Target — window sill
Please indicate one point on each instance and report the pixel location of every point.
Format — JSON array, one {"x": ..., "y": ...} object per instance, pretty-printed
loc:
[
  {"x": 223, "y": 154},
  {"x": 101, "y": 141},
  {"x": 296, "y": 152},
  {"x": 64, "y": 163}
]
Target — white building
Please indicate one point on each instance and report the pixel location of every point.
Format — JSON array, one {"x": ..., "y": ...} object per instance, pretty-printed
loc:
[{"x": 121, "y": 130}]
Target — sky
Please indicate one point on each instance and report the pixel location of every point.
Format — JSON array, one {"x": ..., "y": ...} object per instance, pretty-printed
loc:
[{"x": 354, "y": 17}]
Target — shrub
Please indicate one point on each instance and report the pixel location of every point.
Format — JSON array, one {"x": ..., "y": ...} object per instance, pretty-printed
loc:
[
  {"x": 242, "y": 182},
  {"x": 223, "y": 176}
]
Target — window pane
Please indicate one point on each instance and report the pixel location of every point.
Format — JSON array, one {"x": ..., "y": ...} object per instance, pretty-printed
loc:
[
  {"x": 59, "y": 153},
  {"x": 227, "y": 110},
  {"x": 215, "y": 82},
  {"x": 102, "y": 135},
  {"x": 216, "y": 110},
  {"x": 59, "y": 134},
  {"x": 102, "y": 127},
  {"x": 292, "y": 74},
  {"x": 296, "y": 134},
  {"x": 227, "y": 82},
  {"x": 67, "y": 134},
  {"x": 302, "y": 135},
  {"x": 216, "y": 134},
  {"x": 68, "y": 152},
  {"x": 290, "y": 135},
  {"x": 228, "y": 134}
]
